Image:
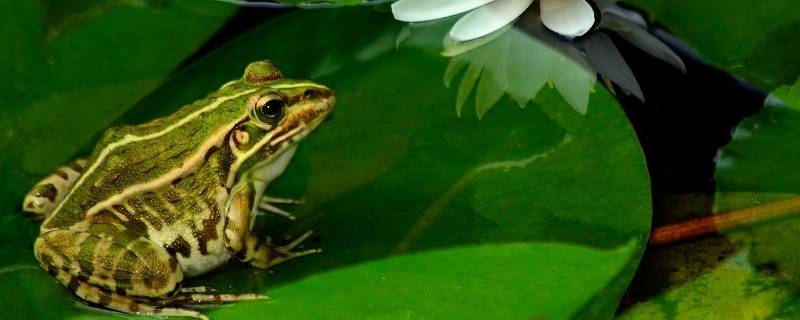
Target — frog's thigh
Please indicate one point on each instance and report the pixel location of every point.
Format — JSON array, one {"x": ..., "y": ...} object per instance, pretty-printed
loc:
[
  {"x": 111, "y": 300},
  {"x": 116, "y": 262}
]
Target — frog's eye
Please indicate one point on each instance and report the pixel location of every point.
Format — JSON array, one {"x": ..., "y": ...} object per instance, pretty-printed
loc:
[{"x": 269, "y": 109}]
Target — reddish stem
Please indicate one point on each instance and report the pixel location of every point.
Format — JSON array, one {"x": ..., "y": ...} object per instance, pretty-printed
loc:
[{"x": 725, "y": 221}]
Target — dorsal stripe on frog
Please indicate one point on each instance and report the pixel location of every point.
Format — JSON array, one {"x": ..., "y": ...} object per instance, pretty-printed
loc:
[
  {"x": 162, "y": 214},
  {"x": 40, "y": 201},
  {"x": 132, "y": 141}
]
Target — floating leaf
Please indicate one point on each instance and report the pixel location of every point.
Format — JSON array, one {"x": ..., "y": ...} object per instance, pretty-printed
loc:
[
  {"x": 761, "y": 274},
  {"x": 62, "y": 16},
  {"x": 765, "y": 152},
  {"x": 734, "y": 290},
  {"x": 753, "y": 39},
  {"x": 789, "y": 95},
  {"x": 396, "y": 185}
]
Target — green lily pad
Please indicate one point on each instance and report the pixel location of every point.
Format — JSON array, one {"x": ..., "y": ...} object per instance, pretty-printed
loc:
[
  {"x": 760, "y": 273},
  {"x": 752, "y": 39},
  {"x": 765, "y": 152},
  {"x": 528, "y": 212}
]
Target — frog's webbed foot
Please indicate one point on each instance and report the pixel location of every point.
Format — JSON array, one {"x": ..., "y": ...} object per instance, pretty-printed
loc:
[
  {"x": 266, "y": 205},
  {"x": 194, "y": 299},
  {"x": 251, "y": 248},
  {"x": 277, "y": 254}
]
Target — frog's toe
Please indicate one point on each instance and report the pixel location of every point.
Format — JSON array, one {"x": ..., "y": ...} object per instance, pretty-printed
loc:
[
  {"x": 188, "y": 299},
  {"x": 287, "y": 251},
  {"x": 198, "y": 289},
  {"x": 268, "y": 199},
  {"x": 273, "y": 209}
]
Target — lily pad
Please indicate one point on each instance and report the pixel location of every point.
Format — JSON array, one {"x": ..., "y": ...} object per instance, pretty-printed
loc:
[
  {"x": 752, "y": 39},
  {"x": 759, "y": 274},
  {"x": 765, "y": 152},
  {"x": 528, "y": 212}
]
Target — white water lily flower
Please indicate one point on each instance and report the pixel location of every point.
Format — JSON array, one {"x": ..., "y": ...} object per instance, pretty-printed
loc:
[
  {"x": 568, "y": 18},
  {"x": 577, "y": 31}
]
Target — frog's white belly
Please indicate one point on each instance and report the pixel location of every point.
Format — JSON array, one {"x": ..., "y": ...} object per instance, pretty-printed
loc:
[{"x": 196, "y": 263}]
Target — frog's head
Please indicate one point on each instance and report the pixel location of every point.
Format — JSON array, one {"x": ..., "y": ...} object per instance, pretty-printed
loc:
[{"x": 281, "y": 113}]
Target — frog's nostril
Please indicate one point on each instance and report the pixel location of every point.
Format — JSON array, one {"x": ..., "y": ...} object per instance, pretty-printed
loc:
[{"x": 311, "y": 94}]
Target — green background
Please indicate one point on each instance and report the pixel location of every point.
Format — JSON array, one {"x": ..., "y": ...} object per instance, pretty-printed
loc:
[{"x": 533, "y": 212}]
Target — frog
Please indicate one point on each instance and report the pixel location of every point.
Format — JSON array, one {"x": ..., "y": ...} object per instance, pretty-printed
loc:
[{"x": 156, "y": 203}]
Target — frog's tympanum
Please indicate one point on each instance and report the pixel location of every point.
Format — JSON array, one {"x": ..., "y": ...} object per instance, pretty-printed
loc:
[{"x": 176, "y": 197}]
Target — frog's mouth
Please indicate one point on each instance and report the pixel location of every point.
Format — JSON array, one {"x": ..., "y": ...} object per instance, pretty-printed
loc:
[{"x": 299, "y": 124}]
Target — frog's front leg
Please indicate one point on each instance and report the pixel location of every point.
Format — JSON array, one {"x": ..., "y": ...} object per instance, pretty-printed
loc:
[
  {"x": 248, "y": 247},
  {"x": 44, "y": 197}
]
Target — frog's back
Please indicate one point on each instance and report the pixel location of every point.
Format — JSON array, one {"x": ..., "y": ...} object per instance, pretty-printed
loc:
[{"x": 130, "y": 161}]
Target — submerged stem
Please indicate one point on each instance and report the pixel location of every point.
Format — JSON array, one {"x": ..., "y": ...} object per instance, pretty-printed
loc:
[{"x": 725, "y": 221}]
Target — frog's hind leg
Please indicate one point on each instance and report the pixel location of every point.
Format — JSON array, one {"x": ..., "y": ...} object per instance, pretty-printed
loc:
[
  {"x": 46, "y": 195},
  {"x": 117, "y": 270},
  {"x": 97, "y": 296}
]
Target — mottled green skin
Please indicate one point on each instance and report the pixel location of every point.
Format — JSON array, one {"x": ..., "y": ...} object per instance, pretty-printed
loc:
[{"x": 144, "y": 161}]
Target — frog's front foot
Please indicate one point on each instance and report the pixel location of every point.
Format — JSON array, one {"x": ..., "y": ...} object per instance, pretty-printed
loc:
[
  {"x": 277, "y": 254},
  {"x": 266, "y": 205}
]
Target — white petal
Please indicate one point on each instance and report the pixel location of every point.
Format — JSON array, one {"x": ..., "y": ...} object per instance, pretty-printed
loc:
[
  {"x": 569, "y": 18},
  {"x": 488, "y": 18},
  {"x": 425, "y": 10}
]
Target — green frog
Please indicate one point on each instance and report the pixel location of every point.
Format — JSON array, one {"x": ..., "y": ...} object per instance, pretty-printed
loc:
[{"x": 176, "y": 197}]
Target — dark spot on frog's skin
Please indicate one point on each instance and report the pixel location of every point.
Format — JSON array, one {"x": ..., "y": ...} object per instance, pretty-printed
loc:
[
  {"x": 148, "y": 279},
  {"x": 172, "y": 196},
  {"x": 241, "y": 254},
  {"x": 75, "y": 166},
  {"x": 173, "y": 266},
  {"x": 61, "y": 174},
  {"x": 105, "y": 298},
  {"x": 133, "y": 224},
  {"x": 73, "y": 284},
  {"x": 155, "y": 203},
  {"x": 133, "y": 307},
  {"x": 181, "y": 154},
  {"x": 176, "y": 181},
  {"x": 209, "y": 153},
  {"x": 48, "y": 191},
  {"x": 180, "y": 246},
  {"x": 88, "y": 204},
  {"x": 138, "y": 207},
  {"x": 209, "y": 230},
  {"x": 48, "y": 261}
]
